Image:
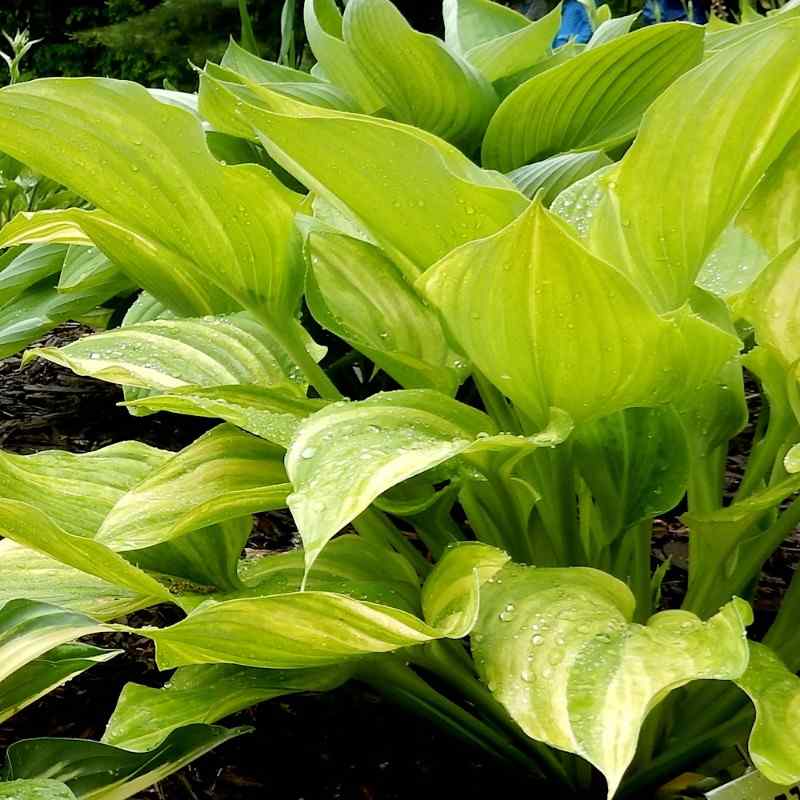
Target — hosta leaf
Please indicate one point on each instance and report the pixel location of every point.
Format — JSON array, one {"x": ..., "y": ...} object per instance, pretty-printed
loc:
[
  {"x": 46, "y": 672},
  {"x": 636, "y": 463},
  {"x": 208, "y": 556},
  {"x": 323, "y": 24},
  {"x": 292, "y": 82},
  {"x": 346, "y": 455},
  {"x": 771, "y": 214},
  {"x": 41, "y": 789},
  {"x": 29, "y": 629},
  {"x": 714, "y": 412},
  {"x": 543, "y": 350},
  {"x": 169, "y": 275},
  {"x": 577, "y": 203},
  {"x": 420, "y": 80},
  {"x": 349, "y": 565},
  {"x": 455, "y": 576},
  {"x": 76, "y": 491},
  {"x": 84, "y": 268},
  {"x": 593, "y": 101},
  {"x": 167, "y": 353},
  {"x": 771, "y": 304},
  {"x": 40, "y": 308},
  {"x": 224, "y": 474},
  {"x": 518, "y": 50},
  {"x": 611, "y": 29},
  {"x": 775, "y": 692},
  {"x": 300, "y": 629},
  {"x": 468, "y": 23},
  {"x": 206, "y": 693},
  {"x": 28, "y": 526},
  {"x": 97, "y": 771},
  {"x": 273, "y": 413},
  {"x": 113, "y": 144},
  {"x": 430, "y": 198},
  {"x": 736, "y": 35},
  {"x": 146, "y": 308},
  {"x": 752, "y": 87},
  {"x": 28, "y": 267},
  {"x": 504, "y": 86},
  {"x": 35, "y": 576},
  {"x": 354, "y": 290},
  {"x": 733, "y": 264},
  {"x": 791, "y": 461},
  {"x": 727, "y": 546},
  {"x": 240, "y": 60},
  {"x": 557, "y": 648},
  {"x": 554, "y": 174}
]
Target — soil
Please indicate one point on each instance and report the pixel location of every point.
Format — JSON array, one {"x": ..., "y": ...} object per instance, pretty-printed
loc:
[{"x": 348, "y": 744}]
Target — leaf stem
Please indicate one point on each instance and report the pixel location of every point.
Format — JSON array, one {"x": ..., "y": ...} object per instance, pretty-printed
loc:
[
  {"x": 496, "y": 405},
  {"x": 374, "y": 525},
  {"x": 448, "y": 660},
  {"x": 687, "y": 753},
  {"x": 290, "y": 340},
  {"x": 393, "y": 679}
]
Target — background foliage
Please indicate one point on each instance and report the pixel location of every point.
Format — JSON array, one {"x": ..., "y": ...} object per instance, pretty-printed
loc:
[{"x": 150, "y": 41}]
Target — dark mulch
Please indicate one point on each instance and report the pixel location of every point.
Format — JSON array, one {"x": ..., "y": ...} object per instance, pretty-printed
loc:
[{"x": 348, "y": 744}]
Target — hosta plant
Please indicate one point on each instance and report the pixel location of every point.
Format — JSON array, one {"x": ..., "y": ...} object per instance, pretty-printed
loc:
[{"x": 540, "y": 280}]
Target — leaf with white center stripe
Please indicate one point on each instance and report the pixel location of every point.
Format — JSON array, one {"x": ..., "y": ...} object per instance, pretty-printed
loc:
[
  {"x": 27, "y": 573},
  {"x": 300, "y": 629},
  {"x": 167, "y": 353},
  {"x": 348, "y": 454},
  {"x": 558, "y": 650},
  {"x": 273, "y": 413},
  {"x": 29, "y": 629},
  {"x": 224, "y": 474},
  {"x": 77, "y": 490},
  {"x": 28, "y": 526}
]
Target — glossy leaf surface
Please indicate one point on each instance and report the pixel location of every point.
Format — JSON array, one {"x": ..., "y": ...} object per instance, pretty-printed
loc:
[
  {"x": 343, "y": 457},
  {"x": 775, "y": 692},
  {"x": 593, "y": 101},
  {"x": 571, "y": 313}
]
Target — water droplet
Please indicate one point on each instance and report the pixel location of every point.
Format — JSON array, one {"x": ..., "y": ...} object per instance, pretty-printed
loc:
[
  {"x": 537, "y": 640},
  {"x": 309, "y": 452}
]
